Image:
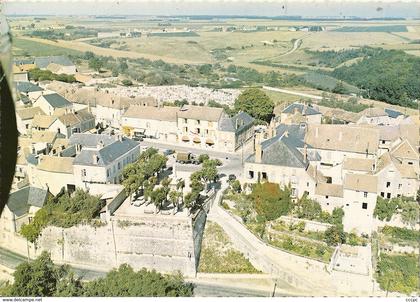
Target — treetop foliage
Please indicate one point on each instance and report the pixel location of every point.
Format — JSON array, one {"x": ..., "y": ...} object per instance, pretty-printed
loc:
[{"x": 41, "y": 278}]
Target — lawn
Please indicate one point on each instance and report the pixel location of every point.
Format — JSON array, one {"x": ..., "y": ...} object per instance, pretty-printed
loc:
[{"x": 218, "y": 254}]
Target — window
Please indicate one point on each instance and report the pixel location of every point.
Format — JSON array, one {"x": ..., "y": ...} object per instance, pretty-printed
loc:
[
  {"x": 364, "y": 205},
  {"x": 251, "y": 174},
  {"x": 398, "y": 195},
  {"x": 328, "y": 203},
  {"x": 307, "y": 184},
  {"x": 388, "y": 195},
  {"x": 365, "y": 194},
  {"x": 83, "y": 172},
  {"x": 347, "y": 204},
  {"x": 27, "y": 126},
  {"x": 329, "y": 180},
  {"x": 185, "y": 120},
  {"x": 198, "y": 122},
  {"x": 207, "y": 131},
  {"x": 382, "y": 194},
  {"x": 410, "y": 163},
  {"x": 147, "y": 125},
  {"x": 264, "y": 175},
  {"x": 185, "y": 129},
  {"x": 383, "y": 142},
  {"x": 119, "y": 165},
  {"x": 198, "y": 130},
  {"x": 108, "y": 172},
  {"x": 388, "y": 184},
  {"x": 326, "y": 196},
  {"x": 399, "y": 186}
]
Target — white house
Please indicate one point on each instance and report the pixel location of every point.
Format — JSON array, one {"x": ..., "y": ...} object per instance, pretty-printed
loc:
[
  {"x": 57, "y": 64},
  {"x": 52, "y": 102},
  {"x": 25, "y": 117},
  {"x": 359, "y": 196},
  {"x": 157, "y": 122},
  {"x": 100, "y": 159}
]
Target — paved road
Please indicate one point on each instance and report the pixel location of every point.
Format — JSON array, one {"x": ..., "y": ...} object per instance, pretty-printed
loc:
[
  {"x": 266, "y": 258},
  {"x": 312, "y": 96},
  {"x": 214, "y": 290}
]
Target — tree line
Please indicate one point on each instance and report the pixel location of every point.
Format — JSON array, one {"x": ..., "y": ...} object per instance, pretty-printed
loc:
[{"x": 42, "y": 278}]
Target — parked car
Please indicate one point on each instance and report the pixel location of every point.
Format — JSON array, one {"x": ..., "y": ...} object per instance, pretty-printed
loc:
[
  {"x": 139, "y": 201},
  {"x": 232, "y": 177},
  {"x": 168, "y": 152},
  {"x": 138, "y": 138}
]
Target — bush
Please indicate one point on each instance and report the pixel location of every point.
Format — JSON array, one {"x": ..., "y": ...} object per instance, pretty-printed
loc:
[
  {"x": 203, "y": 157},
  {"x": 398, "y": 273},
  {"x": 335, "y": 235},
  {"x": 401, "y": 234},
  {"x": 270, "y": 201},
  {"x": 63, "y": 211},
  {"x": 386, "y": 208},
  {"x": 127, "y": 82}
]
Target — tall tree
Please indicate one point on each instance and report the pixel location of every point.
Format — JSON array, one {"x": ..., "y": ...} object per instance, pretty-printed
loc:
[{"x": 256, "y": 103}]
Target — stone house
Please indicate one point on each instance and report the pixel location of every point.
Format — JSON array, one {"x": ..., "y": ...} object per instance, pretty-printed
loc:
[
  {"x": 21, "y": 207},
  {"x": 73, "y": 122},
  {"x": 52, "y": 102},
  {"x": 156, "y": 122},
  {"x": 100, "y": 159},
  {"x": 297, "y": 112},
  {"x": 56, "y": 64},
  {"x": 234, "y": 132},
  {"x": 278, "y": 160},
  {"x": 198, "y": 126},
  {"x": 359, "y": 194},
  {"x": 25, "y": 117}
]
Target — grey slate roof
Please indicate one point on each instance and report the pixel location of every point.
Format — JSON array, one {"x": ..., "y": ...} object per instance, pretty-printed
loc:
[
  {"x": 280, "y": 151},
  {"x": 303, "y": 109},
  {"x": 43, "y": 62},
  {"x": 32, "y": 159},
  {"x": 91, "y": 140},
  {"x": 242, "y": 119},
  {"x": 20, "y": 201},
  {"x": 23, "y": 61},
  {"x": 56, "y": 100},
  {"x": 393, "y": 113},
  {"x": 107, "y": 154},
  {"x": 26, "y": 87}
]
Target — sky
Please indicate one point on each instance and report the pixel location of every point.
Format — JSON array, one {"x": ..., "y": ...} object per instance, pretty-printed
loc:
[{"x": 305, "y": 8}]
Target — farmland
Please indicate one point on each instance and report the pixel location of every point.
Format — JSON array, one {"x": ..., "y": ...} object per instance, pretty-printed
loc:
[{"x": 261, "y": 50}]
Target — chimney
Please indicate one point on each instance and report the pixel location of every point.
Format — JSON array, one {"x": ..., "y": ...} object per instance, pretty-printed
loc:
[
  {"x": 286, "y": 133},
  {"x": 95, "y": 159},
  {"x": 305, "y": 153},
  {"x": 316, "y": 132},
  {"x": 258, "y": 152},
  {"x": 100, "y": 144},
  {"x": 33, "y": 149}
]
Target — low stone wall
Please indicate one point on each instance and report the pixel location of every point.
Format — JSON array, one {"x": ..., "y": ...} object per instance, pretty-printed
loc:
[
  {"x": 310, "y": 225},
  {"x": 395, "y": 221}
]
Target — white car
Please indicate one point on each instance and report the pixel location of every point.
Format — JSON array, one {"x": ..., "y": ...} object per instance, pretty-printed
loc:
[{"x": 139, "y": 201}]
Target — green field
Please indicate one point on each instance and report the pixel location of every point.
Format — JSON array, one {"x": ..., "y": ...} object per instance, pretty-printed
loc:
[
  {"x": 385, "y": 28},
  {"x": 31, "y": 48}
]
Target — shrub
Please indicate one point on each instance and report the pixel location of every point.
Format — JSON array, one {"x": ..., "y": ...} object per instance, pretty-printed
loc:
[
  {"x": 398, "y": 273},
  {"x": 270, "y": 201},
  {"x": 335, "y": 235}
]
